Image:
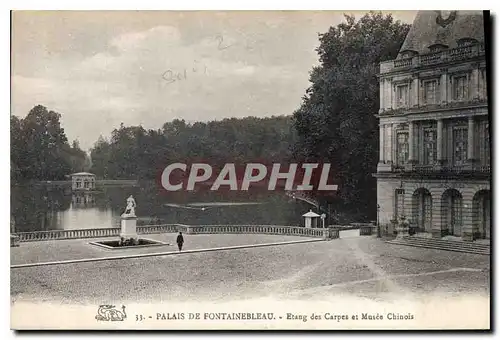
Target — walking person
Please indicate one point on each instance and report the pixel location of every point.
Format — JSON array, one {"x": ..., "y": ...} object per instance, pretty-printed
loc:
[{"x": 180, "y": 241}]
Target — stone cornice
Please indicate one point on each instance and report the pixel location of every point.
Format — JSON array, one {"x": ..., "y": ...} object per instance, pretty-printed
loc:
[
  {"x": 471, "y": 104},
  {"x": 439, "y": 175}
]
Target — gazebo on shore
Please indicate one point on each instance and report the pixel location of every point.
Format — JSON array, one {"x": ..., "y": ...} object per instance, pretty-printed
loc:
[
  {"x": 311, "y": 219},
  {"x": 82, "y": 181}
]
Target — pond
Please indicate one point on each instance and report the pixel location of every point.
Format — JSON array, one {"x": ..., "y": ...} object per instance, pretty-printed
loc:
[{"x": 35, "y": 208}]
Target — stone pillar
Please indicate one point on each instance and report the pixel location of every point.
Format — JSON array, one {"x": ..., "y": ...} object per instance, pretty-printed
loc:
[
  {"x": 389, "y": 158},
  {"x": 410, "y": 141},
  {"x": 392, "y": 95},
  {"x": 382, "y": 149},
  {"x": 415, "y": 88},
  {"x": 467, "y": 223},
  {"x": 411, "y": 146},
  {"x": 439, "y": 146},
  {"x": 470, "y": 141},
  {"x": 437, "y": 225},
  {"x": 443, "y": 88},
  {"x": 382, "y": 94}
]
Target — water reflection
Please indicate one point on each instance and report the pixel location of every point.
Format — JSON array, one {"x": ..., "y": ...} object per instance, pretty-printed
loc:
[
  {"x": 84, "y": 213},
  {"x": 44, "y": 208},
  {"x": 82, "y": 200}
]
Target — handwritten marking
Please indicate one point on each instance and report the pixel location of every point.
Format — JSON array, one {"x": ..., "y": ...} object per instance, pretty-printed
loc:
[
  {"x": 220, "y": 38},
  {"x": 171, "y": 76}
]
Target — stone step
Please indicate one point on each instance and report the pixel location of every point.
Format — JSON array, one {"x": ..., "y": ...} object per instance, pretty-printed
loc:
[
  {"x": 473, "y": 245},
  {"x": 447, "y": 245},
  {"x": 460, "y": 250},
  {"x": 442, "y": 241}
]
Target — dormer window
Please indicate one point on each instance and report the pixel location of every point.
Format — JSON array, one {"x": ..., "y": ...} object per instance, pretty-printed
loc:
[
  {"x": 466, "y": 42},
  {"x": 408, "y": 53},
  {"x": 437, "y": 48}
]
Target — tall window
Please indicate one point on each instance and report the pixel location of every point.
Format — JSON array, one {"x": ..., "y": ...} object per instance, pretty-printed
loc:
[
  {"x": 430, "y": 91},
  {"x": 402, "y": 95},
  {"x": 459, "y": 145},
  {"x": 403, "y": 148},
  {"x": 460, "y": 87},
  {"x": 430, "y": 147},
  {"x": 484, "y": 83}
]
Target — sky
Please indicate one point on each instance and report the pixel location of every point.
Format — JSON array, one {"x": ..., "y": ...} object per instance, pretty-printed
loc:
[{"x": 99, "y": 69}]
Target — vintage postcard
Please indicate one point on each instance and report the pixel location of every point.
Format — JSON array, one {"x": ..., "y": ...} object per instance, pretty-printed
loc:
[{"x": 250, "y": 170}]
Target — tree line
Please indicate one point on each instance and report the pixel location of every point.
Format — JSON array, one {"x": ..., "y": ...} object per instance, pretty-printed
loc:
[{"x": 134, "y": 152}]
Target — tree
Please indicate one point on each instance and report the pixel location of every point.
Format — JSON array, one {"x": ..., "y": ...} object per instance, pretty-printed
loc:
[
  {"x": 40, "y": 148},
  {"x": 336, "y": 122},
  {"x": 78, "y": 158}
]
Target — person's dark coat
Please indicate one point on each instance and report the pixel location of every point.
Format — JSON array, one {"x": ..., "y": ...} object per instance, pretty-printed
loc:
[{"x": 180, "y": 239}]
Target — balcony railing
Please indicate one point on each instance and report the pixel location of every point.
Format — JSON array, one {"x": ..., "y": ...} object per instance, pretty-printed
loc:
[
  {"x": 436, "y": 168},
  {"x": 406, "y": 62},
  {"x": 455, "y": 54}
]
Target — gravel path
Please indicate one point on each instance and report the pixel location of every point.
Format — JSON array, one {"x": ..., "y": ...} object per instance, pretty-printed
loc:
[
  {"x": 60, "y": 250},
  {"x": 360, "y": 266}
]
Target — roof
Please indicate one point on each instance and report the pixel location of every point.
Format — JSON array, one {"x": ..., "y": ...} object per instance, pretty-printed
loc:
[
  {"x": 443, "y": 27},
  {"x": 82, "y": 174},
  {"x": 310, "y": 214}
]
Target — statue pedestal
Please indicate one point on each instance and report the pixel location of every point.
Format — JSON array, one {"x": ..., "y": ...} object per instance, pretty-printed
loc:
[
  {"x": 129, "y": 227},
  {"x": 403, "y": 231},
  {"x": 14, "y": 240}
]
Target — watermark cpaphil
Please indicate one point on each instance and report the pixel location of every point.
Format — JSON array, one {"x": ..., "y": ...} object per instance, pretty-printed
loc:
[{"x": 243, "y": 177}]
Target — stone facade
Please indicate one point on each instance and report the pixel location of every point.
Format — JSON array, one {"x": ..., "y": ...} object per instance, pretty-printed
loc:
[{"x": 434, "y": 163}]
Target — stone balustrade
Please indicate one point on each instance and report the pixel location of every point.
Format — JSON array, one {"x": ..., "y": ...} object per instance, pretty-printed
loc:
[
  {"x": 325, "y": 233},
  {"x": 454, "y": 54},
  {"x": 255, "y": 229},
  {"x": 67, "y": 234},
  {"x": 160, "y": 228}
]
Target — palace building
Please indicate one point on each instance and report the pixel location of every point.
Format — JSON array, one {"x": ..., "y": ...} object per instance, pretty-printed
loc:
[{"x": 434, "y": 164}]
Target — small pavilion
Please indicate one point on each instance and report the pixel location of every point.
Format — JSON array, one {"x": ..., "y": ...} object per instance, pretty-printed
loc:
[
  {"x": 311, "y": 219},
  {"x": 82, "y": 181}
]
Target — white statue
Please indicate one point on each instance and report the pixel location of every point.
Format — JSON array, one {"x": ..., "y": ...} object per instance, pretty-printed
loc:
[{"x": 130, "y": 209}]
